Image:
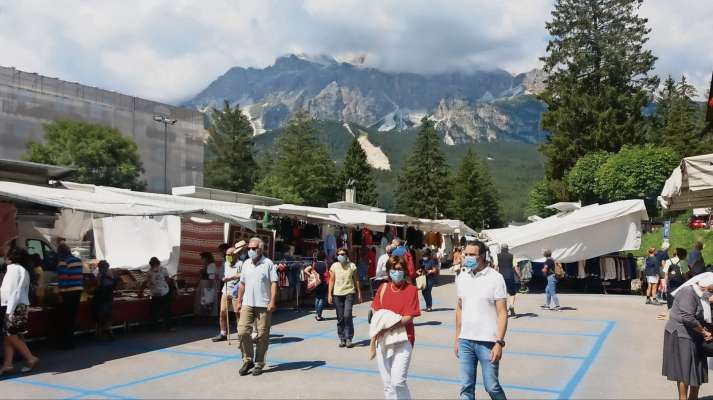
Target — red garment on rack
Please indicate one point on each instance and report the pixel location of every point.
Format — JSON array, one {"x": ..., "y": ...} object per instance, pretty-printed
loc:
[
  {"x": 282, "y": 276},
  {"x": 371, "y": 272},
  {"x": 366, "y": 237}
]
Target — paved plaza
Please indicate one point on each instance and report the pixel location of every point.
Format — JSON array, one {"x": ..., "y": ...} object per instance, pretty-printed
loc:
[{"x": 600, "y": 346}]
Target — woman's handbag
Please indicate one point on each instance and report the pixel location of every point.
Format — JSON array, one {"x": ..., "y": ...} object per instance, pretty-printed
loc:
[
  {"x": 707, "y": 349},
  {"x": 421, "y": 282}
]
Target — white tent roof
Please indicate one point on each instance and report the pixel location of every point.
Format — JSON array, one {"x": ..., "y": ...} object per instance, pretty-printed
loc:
[
  {"x": 690, "y": 185},
  {"x": 371, "y": 219},
  {"x": 588, "y": 232},
  {"x": 113, "y": 201},
  {"x": 457, "y": 226}
]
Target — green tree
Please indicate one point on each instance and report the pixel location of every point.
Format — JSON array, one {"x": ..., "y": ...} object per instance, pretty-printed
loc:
[
  {"x": 543, "y": 194},
  {"x": 599, "y": 80},
  {"x": 230, "y": 164},
  {"x": 101, "y": 155},
  {"x": 356, "y": 168},
  {"x": 475, "y": 200},
  {"x": 302, "y": 170},
  {"x": 682, "y": 120},
  {"x": 582, "y": 179},
  {"x": 636, "y": 173},
  {"x": 423, "y": 184}
]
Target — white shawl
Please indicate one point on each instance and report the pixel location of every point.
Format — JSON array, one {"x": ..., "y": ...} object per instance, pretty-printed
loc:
[{"x": 701, "y": 280}]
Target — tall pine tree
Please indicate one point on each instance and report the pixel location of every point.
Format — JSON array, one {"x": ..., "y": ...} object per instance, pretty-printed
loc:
[
  {"x": 475, "y": 200},
  {"x": 356, "y": 169},
  {"x": 599, "y": 79},
  {"x": 683, "y": 126},
  {"x": 302, "y": 171},
  {"x": 423, "y": 186},
  {"x": 230, "y": 163}
]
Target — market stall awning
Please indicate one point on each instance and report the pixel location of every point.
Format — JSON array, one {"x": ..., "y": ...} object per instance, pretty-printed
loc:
[
  {"x": 690, "y": 185},
  {"x": 115, "y": 202},
  {"x": 457, "y": 227},
  {"x": 336, "y": 216},
  {"x": 588, "y": 232}
]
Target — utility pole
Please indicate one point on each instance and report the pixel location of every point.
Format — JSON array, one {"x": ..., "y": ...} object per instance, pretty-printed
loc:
[{"x": 162, "y": 119}]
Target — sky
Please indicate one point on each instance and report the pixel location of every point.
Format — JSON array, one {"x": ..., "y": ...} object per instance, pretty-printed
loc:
[{"x": 169, "y": 50}]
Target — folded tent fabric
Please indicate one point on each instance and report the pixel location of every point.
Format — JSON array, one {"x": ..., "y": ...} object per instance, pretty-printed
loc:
[{"x": 382, "y": 321}]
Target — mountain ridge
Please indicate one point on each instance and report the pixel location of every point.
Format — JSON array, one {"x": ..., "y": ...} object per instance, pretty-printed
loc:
[{"x": 473, "y": 106}]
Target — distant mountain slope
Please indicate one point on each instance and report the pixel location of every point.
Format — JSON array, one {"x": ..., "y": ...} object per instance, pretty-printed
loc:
[
  {"x": 468, "y": 107},
  {"x": 514, "y": 166}
]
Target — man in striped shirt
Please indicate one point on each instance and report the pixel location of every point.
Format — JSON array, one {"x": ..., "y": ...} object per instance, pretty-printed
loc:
[{"x": 70, "y": 281}]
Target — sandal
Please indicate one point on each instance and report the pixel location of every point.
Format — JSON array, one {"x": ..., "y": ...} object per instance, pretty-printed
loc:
[{"x": 30, "y": 366}]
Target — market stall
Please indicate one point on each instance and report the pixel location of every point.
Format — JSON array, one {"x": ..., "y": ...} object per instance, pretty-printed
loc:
[
  {"x": 588, "y": 240},
  {"x": 122, "y": 226},
  {"x": 690, "y": 185}
]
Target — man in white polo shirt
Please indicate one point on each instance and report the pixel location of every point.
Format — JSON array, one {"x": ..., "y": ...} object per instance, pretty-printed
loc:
[
  {"x": 256, "y": 302},
  {"x": 481, "y": 322}
]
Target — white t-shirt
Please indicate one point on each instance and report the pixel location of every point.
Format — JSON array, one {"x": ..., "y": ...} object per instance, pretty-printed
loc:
[
  {"x": 478, "y": 292},
  {"x": 231, "y": 271},
  {"x": 381, "y": 267},
  {"x": 667, "y": 264},
  {"x": 258, "y": 281},
  {"x": 157, "y": 282}
]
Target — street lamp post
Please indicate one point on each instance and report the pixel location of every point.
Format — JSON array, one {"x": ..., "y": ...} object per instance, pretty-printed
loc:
[{"x": 162, "y": 119}]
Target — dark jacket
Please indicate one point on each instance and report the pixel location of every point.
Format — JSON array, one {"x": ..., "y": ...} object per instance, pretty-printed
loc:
[{"x": 686, "y": 314}]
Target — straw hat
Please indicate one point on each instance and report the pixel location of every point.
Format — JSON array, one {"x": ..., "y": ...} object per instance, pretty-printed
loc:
[{"x": 239, "y": 245}]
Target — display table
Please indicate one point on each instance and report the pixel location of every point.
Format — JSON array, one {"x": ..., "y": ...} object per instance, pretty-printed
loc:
[{"x": 126, "y": 310}]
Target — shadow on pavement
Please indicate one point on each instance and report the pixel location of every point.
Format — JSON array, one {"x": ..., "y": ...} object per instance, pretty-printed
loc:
[
  {"x": 301, "y": 365},
  {"x": 442, "y": 309},
  {"x": 428, "y": 323},
  {"x": 286, "y": 340},
  {"x": 527, "y": 315}
]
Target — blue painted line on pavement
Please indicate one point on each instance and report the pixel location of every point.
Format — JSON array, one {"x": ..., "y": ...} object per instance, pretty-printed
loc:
[
  {"x": 571, "y": 386},
  {"x": 427, "y": 378}
]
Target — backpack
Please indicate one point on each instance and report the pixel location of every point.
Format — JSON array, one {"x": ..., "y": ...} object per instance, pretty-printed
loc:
[
  {"x": 675, "y": 276},
  {"x": 559, "y": 270}
]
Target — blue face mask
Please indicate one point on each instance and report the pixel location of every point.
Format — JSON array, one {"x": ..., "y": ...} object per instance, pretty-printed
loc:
[
  {"x": 243, "y": 257},
  {"x": 396, "y": 276},
  {"x": 342, "y": 259},
  {"x": 252, "y": 254},
  {"x": 470, "y": 262}
]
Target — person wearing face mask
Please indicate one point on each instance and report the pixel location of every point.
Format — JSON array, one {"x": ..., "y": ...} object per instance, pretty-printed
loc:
[
  {"x": 343, "y": 285},
  {"x": 231, "y": 275},
  {"x": 481, "y": 322},
  {"x": 688, "y": 327},
  {"x": 429, "y": 267},
  {"x": 257, "y": 300},
  {"x": 159, "y": 282},
  {"x": 401, "y": 298}
]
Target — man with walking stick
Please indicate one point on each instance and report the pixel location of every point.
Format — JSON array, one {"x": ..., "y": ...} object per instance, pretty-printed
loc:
[{"x": 233, "y": 264}]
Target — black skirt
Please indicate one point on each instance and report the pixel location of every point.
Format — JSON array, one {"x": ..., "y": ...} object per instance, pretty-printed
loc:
[{"x": 683, "y": 360}]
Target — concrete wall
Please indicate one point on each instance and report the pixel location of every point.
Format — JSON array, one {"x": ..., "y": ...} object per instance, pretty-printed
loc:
[{"x": 28, "y": 101}]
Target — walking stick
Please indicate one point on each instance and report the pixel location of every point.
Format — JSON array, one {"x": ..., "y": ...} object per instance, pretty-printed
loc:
[{"x": 227, "y": 313}]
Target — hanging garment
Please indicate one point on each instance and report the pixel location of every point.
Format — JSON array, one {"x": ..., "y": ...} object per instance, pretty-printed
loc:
[
  {"x": 581, "y": 273},
  {"x": 330, "y": 246},
  {"x": 282, "y": 276},
  {"x": 366, "y": 237},
  {"x": 8, "y": 227}
]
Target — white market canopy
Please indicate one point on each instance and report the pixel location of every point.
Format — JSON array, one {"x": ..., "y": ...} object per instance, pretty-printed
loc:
[
  {"x": 690, "y": 185},
  {"x": 107, "y": 201},
  {"x": 584, "y": 233}
]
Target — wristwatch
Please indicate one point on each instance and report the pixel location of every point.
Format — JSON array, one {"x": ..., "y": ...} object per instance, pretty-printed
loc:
[{"x": 500, "y": 342}]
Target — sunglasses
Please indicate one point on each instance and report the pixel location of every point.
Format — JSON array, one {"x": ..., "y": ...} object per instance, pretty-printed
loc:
[{"x": 253, "y": 248}]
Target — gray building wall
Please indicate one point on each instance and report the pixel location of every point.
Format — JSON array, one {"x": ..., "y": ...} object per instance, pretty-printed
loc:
[{"x": 28, "y": 101}]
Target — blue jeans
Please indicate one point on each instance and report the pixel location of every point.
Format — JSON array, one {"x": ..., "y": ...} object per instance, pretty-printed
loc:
[
  {"x": 320, "y": 298},
  {"x": 470, "y": 352},
  {"x": 427, "y": 296},
  {"x": 551, "y": 292}
]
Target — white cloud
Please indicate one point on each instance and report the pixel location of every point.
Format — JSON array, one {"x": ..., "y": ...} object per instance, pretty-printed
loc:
[{"x": 170, "y": 49}]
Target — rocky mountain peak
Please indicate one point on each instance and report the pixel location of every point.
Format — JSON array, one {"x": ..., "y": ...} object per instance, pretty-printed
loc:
[{"x": 469, "y": 107}]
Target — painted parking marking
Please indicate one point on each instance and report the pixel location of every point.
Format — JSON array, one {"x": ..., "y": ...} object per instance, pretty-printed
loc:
[{"x": 218, "y": 358}]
